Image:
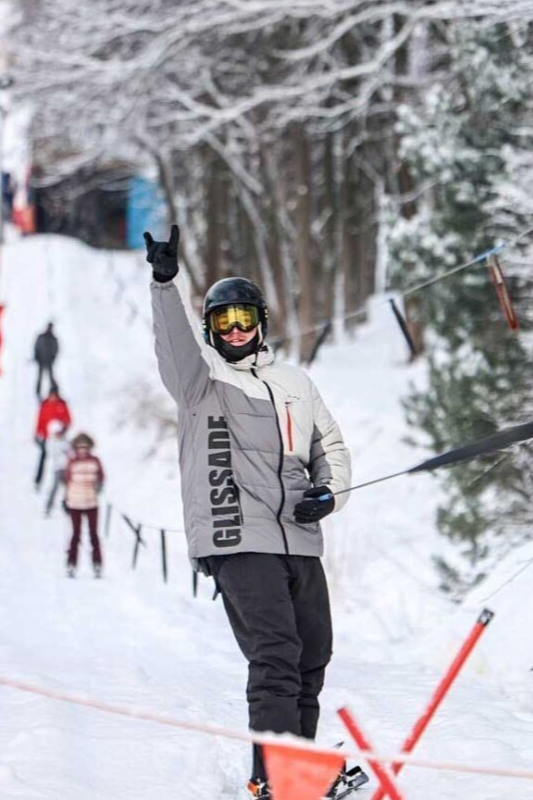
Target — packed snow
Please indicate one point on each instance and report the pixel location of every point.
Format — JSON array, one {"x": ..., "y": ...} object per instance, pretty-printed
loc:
[{"x": 134, "y": 641}]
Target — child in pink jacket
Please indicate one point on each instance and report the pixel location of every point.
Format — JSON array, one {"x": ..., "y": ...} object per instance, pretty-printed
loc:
[{"x": 84, "y": 478}]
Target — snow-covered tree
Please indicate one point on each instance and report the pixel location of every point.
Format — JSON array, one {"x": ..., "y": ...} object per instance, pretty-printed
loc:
[
  {"x": 262, "y": 120},
  {"x": 461, "y": 142}
]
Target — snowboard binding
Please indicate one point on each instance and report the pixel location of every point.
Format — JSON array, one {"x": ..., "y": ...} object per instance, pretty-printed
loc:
[{"x": 348, "y": 781}]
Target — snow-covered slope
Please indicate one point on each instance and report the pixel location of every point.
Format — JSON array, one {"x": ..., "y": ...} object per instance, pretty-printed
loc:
[
  {"x": 131, "y": 640},
  {"x": 508, "y": 591}
]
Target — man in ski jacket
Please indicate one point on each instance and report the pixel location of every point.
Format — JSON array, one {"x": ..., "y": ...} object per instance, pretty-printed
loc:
[
  {"x": 261, "y": 458},
  {"x": 54, "y": 408},
  {"x": 45, "y": 353},
  {"x": 84, "y": 479}
]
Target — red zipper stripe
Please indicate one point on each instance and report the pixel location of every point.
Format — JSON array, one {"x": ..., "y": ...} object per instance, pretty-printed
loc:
[{"x": 289, "y": 428}]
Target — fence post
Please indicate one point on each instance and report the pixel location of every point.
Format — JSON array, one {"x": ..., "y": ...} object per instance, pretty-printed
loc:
[{"x": 164, "y": 555}]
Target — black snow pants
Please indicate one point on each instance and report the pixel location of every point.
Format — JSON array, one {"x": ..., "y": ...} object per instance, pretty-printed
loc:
[
  {"x": 278, "y": 608},
  {"x": 41, "y": 369}
]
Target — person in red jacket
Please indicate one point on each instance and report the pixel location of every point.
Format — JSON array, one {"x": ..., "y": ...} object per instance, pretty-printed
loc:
[
  {"x": 54, "y": 408},
  {"x": 84, "y": 478}
]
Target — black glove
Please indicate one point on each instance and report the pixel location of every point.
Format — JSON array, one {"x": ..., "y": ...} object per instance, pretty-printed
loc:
[
  {"x": 311, "y": 509},
  {"x": 163, "y": 256}
]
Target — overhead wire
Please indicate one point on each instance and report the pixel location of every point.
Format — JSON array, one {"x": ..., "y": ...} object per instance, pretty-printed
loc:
[{"x": 410, "y": 290}]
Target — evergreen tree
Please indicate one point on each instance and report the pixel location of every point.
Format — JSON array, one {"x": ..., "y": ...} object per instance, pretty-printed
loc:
[{"x": 458, "y": 143}]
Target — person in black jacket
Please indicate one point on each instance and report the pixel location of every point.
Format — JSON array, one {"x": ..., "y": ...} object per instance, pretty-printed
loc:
[{"x": 45, "y": 353}]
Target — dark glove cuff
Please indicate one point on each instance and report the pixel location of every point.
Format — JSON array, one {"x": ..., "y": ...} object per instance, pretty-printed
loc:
[{"x": 160, "y": 278}]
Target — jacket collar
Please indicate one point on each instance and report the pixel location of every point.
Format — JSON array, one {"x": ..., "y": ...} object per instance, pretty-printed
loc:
[{"x": 262, "y": 358}]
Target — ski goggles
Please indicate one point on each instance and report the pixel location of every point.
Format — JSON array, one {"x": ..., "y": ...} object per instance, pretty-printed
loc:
[{"x": 244, "y": 317}]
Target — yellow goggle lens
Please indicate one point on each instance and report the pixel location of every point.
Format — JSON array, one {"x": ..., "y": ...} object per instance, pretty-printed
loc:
[{"x": 245, "y": 318}]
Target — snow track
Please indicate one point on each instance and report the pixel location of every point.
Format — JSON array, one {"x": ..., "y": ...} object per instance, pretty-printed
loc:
[{"x": 132, "y": 641}]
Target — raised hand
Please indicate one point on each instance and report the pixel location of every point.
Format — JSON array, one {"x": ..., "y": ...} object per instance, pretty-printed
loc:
[{"x": 163, "y": 256}]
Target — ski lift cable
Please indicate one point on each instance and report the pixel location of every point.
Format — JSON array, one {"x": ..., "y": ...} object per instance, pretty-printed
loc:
[
  {"x": 480, "y": 259},
  {"x": 510, "y": 580},
  {"x": 390, "y": 292},
  {"x": 502, "y": 440},
  {"x": 485, "y": 472}
]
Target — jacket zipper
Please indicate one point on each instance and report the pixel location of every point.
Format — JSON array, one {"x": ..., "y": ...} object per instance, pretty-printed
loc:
[
  {"x": 280, "y": 464},
  {"x": 289, "y": 427}
]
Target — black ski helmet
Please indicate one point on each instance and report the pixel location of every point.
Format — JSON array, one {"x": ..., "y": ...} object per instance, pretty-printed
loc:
[{"x": 235, "y": 291}]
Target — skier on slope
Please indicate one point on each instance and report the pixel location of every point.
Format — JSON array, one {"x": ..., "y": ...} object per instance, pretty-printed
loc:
[
  {"x": 258, "y": 448},
  {"x": 45, "y": 353},
  {"x": 52, "y": 409},
  {"x": 84, "y": 479}
]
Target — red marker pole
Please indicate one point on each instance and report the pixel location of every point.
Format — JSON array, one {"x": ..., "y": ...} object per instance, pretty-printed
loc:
[
  {"x": 6, "y": 81},
  {"x": 388, "y": 786},
  {"x": 440, "y": 693},
  {"x": 1, "y": 341}
]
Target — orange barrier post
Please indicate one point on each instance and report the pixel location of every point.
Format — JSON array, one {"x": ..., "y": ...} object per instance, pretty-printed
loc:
[
  {"x": 440, "y": 693},
  {"x": 388, "y": 785}
]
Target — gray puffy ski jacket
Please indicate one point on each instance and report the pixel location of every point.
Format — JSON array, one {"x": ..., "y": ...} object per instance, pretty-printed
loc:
[{"x": 253, "y": 436}]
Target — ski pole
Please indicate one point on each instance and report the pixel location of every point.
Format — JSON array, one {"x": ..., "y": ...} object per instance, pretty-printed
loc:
[
  {"x": 481, "y": 447},
  {"x": 388, "y": 785},
  {"x": 441, "y": 691},
  {"x": 328, "y": 495}
]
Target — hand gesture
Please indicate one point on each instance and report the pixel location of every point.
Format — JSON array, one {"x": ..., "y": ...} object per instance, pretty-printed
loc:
[{"x": 163, "y": 256}]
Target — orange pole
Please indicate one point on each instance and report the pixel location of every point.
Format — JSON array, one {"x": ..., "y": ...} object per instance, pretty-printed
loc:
[
  {"x": 2, "y": 308},
  {"x": 388, "y": 785},
  {"x": 440, "y": 692}
]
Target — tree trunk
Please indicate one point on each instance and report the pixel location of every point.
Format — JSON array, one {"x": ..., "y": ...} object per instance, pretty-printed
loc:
[
  {"x": 408, "y": 207},
  {"x": 278, "y": 320},
  {"x": 330, "y": 259},
  {"x": 304, "y": 265},
  {"x": 214, "y": 211},
  {"x": 350, "y": 245},
  {"x": 166, "y": 182}
]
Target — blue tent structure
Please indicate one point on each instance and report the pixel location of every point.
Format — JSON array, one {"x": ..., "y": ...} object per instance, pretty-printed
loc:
[{"x": 145, "y": 211}]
